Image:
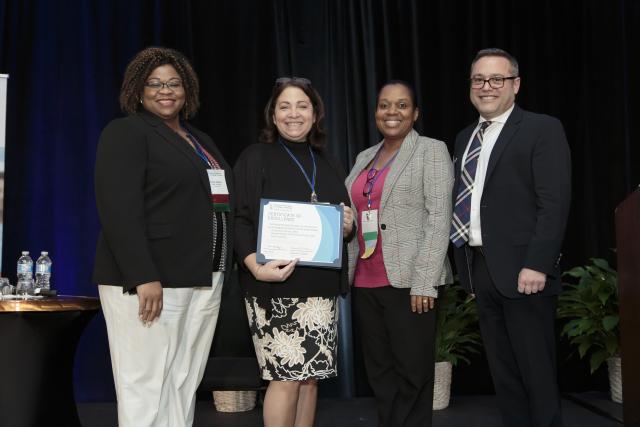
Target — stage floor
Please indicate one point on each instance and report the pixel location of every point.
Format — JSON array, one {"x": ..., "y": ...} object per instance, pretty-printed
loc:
[{"x": 467, "y": 411}]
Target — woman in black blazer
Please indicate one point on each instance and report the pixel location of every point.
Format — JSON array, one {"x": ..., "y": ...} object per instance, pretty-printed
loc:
[{"x": 163, "y": 196}]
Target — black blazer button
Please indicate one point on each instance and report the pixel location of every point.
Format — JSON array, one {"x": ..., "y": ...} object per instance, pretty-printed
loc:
[{"x": 383, "y": 227}]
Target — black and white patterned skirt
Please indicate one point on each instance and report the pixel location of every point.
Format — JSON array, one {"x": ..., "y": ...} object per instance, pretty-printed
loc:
[{"x": 296, "y": 339}]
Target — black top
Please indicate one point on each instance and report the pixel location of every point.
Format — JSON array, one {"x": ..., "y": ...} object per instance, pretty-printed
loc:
[
  {"x": 267, "y": 171},
  {"x": 154, "y": 202}
]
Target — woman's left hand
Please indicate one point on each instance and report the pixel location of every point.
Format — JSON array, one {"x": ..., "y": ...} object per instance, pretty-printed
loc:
[
  {"x": 347, "y": 220},
  {"x": 422, "y": 303}
]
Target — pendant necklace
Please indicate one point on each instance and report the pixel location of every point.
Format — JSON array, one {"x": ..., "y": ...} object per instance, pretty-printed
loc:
[{"x": 312, "y": 181}]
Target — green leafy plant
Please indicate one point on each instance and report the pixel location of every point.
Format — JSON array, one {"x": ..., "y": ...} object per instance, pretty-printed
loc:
[
  {"x": 457, "y": 333},
  {"x": 591, "y": 305}
]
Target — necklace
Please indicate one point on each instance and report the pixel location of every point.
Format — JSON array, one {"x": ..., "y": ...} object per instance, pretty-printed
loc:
[{"x": 312, "y": 181}]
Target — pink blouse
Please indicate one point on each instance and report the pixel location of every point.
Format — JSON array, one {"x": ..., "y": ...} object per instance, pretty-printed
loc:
[{"x": 370, "y": 272}]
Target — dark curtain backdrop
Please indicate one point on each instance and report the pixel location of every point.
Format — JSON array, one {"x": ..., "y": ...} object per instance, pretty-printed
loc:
[{"x": 578, "y": 60}]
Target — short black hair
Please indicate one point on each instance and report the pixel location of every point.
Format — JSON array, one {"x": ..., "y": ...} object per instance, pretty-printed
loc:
[
  {"x": 494, "y": 51},
  {"x": 409, "y": 86}
]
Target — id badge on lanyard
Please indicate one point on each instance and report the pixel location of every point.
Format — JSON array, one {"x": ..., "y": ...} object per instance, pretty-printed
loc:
[
  {"x": 219, "y": 191},
  {"x": 369, "y": 232}
]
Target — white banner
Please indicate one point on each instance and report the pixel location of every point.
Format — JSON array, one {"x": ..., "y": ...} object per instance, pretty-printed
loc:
[{"x": 3, "y": 124}]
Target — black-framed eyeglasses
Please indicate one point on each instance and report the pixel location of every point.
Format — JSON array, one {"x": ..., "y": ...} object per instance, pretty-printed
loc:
[
  {"x": 368, "y": 186},
  {"x": 495, "y": 82},
  {"x": 284, "y": 80},
  {"x": 172, "y": 85}
]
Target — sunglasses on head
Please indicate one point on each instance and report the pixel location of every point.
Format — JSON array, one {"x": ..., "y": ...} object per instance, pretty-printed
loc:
[
  {"x": 368, "y": 186},
  {"x": 284, "y": 80}
]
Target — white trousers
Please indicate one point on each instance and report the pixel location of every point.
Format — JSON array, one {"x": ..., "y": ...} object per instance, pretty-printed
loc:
[{"x": 157, "y": 369}]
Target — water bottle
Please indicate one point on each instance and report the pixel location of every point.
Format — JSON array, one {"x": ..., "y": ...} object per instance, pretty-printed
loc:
[
  {"x": 25, "y": 266},
  {"x": 43, "y": 271}
]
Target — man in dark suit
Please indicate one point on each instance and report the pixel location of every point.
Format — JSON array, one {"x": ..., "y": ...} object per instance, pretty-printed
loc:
[{"x": 511, "y": 203}]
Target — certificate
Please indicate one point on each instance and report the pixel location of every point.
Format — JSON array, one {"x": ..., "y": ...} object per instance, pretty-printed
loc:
[{"x": 308, "y": 231}]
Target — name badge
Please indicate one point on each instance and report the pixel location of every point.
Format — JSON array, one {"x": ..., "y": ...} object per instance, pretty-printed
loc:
[
  {"x": 217, "y": 181},
  {"x": 219, "y": 190},
  {"x": 369, "y": 221}
]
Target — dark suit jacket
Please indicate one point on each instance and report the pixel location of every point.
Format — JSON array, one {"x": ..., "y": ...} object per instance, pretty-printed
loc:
[
  {"x": 525, "y": 201},
  {"x": 154, "y": 203}
]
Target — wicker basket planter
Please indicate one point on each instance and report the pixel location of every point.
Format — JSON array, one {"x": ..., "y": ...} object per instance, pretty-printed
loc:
[
  {"x": 615, "y": 378},
  {"x": 442, "y": 385},
  {"x": 457, "y": 337},
  {"x": 234, "y": 401}
]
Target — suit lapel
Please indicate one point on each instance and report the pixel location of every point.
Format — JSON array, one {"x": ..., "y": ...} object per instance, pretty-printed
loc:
[
  {"x": 462, "y": 140},
  {"x": 399, "y": 164},
  {"x": 212, "y": 148},
  {"x": 506, "y": 136},
  {"x": 363, "y": 160},
  {"x": 179, "y": 144},
  {"x": 461, "y": 145}
]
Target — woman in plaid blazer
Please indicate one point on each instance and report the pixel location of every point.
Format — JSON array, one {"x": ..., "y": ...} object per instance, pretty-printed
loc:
[{"x": 401, "y": 196}]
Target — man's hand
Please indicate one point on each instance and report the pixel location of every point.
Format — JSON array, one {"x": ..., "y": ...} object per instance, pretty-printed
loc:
[
  {"x": 531, "y": 281},
  {"x": 149, "y": 301}
]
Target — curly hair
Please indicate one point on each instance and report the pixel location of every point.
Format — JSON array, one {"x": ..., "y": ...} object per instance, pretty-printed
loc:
[
  {"x": 317, "y": 136},
  {"x": 143, "y": 64}
]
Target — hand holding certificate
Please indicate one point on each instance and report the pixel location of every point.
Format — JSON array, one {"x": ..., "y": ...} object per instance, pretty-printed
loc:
[{"x": 309, "y": 232}]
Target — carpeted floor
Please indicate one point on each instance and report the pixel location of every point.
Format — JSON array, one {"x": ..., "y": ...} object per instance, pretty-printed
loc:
[{"x": 465, "y": 411}]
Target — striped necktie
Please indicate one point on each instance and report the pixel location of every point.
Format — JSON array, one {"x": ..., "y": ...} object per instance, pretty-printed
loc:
[{"x": 462, "y": 210}]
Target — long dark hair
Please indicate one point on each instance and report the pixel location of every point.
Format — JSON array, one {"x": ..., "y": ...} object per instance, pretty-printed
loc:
[{"x": 317, "y": 136}]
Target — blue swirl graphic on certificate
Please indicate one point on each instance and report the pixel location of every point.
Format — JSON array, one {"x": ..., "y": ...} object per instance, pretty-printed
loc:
[{"x": 308, "y": 231}]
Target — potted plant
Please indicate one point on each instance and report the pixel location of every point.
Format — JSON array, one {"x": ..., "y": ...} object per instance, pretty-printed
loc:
[
  {"x": 457, "y": 336},
  {"x": 590, "y": 303}
]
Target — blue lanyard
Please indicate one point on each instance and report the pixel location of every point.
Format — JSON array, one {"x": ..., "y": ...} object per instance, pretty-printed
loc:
[
  {"x": 378, "y": 172},
  {"x": 198, "y": 149},
  {"x": 312, "y": 181}
]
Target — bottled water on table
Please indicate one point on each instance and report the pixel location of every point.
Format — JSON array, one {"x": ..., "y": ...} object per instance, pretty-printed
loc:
[
  {"x": 43, "y": 271},
  {"x": 25, "y": 266}
]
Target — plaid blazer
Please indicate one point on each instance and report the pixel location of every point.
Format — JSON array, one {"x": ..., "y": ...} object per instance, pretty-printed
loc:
[{"x": 415, "y": 214}]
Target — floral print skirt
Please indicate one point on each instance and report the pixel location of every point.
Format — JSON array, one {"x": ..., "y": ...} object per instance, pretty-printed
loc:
[{"x": 296, "y": 339}]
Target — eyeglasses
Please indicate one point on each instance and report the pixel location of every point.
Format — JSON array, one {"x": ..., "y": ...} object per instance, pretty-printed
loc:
[
  {"x": 172, "y": 85},
  {"x": 284, "y": 80},
  {"x": 494, "y": 82},
  {"x": 368, "y": 186}
]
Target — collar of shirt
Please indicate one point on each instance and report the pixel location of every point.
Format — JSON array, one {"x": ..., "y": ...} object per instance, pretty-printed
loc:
[{"x": 502, "y": 118}]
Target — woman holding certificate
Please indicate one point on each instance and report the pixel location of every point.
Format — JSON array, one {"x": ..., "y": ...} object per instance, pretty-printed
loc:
[
  {"x": 401, "y": 197},
  {"x": 292, "y": 309}
]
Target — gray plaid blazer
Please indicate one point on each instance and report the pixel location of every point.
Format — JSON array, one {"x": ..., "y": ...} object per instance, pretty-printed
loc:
[{"x": 415, "y": 214}]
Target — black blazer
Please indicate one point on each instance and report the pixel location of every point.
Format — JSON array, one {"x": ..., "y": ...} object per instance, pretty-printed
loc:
[
  {"x": 154, "y": 203},
  {"x": 525, "y": 201}
]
